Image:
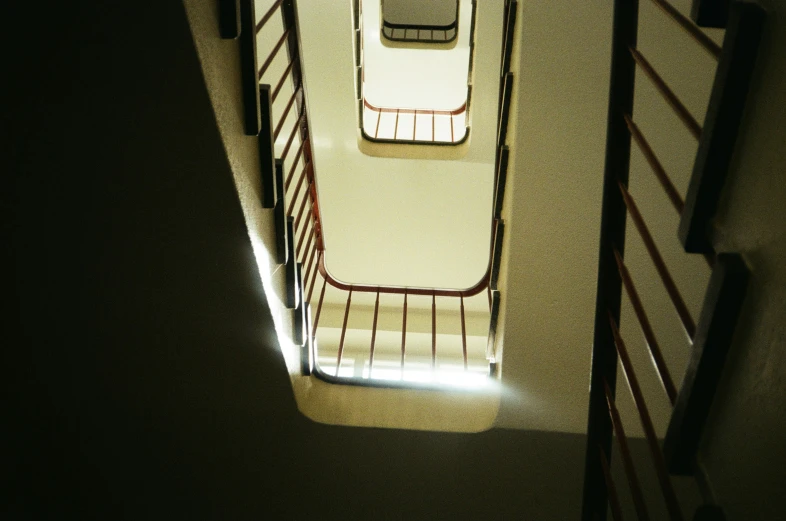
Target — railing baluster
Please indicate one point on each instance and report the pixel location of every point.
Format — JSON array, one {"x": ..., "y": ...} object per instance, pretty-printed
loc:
[
  {"x": 404, "y": 334},
  {"x": 691, "y": 28},
  {"x": 379, "y": 118},
  {"x": 303, "y": 202},
  {"x": 373, "y": 336},
  {"x": 452, "y": 137},
  {"x": 646, "y": 328},
  {"x": 309, "y": 264},
  {"x": 280, "y": 83},
  {"x": 292, "y": 135},
  {"x": 302, "y": 237},
  {"x": 415, "y": 125},
  {"x": 433, "y": 331},
  {"x": 314, "y": 279},
  {"x": 395, "y": 130},
  {"x": 660, "y": 266},
  {"x": 343, "y": 331},
  {"x": 463, "y": 333},
  {"x": 657, "y": 168},
  {"x": 646, "y": 422},
  {"x": 308, "y": 243},
  {"x": 682, "y": 112},
  {"x": 274, "y": 52},
  {"x": 614, "y": 500},
  {"x": 319, "y": 308},
  {"x": 267, "y": 16},
  {"x": 627, "y": 460},
  {"x": 297, "y": 189},
  {"x": 286, "y": 112},
  {"x": 433, "y": 125},
  {"x": 294, "y": 164}
]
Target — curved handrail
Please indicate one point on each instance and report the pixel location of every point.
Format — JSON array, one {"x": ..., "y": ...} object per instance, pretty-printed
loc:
[{"x": 454, "y": 112}]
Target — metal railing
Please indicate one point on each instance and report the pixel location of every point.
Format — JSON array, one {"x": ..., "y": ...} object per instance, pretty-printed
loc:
[
  {"x": 725, "y": 288},
  {"x": 415, "y": 125},
  {"x": 270, "y": 60},
  {"x": 407, "y": 125}
]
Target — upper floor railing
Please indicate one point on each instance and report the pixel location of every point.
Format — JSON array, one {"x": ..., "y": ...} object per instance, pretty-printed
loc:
[{"x": 407, "y": 125}]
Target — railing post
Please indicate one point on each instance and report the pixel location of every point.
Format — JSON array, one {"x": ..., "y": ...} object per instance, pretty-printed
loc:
[{"x": 609, "y": 292}]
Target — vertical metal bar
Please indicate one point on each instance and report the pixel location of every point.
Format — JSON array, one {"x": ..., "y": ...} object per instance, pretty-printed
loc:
[
  {"x": 302, "y": 237},
  {"x": 297, "y": 189},
  {"x": 672, "y": 505},
  {"x": 274, "y": 52},
  {"x": 613, "y": 223},
  {"x": 452, "y": 138},
  {"x": 395, "y": 130},
  {"x": 292, "y": 135},
  {"x": 676, "y": 105},
  {"x": 463, "y": 333},
  {"x": 657, "y": 168},
  {"x": 404, "y": 334},
  {"x": 294, "y": 164},
  {"x": 284, "y": 115},
  {"x": 646, "y": 328},
  {"x": 319, "y": 308},
  {"x": 308, "y": 243},
  {"x": 302, "y": 206},
  {"x": 488, "y": 290},
  {"x": 280, "y": 83},
  {"x": 373, "y": 336},
  {"x": 343, "y": 331},
  {"x": 627, "y": 460},
  {"x": 414, "y": 125},
  {"x": 267, "y": 15},
  {"x": 433, "y": 331},
  {"x": 313, "y": 279},
  {"x": 309, "y": 264},
  {"x": 433, "y": 125},
  {"x": 614, "y": 500},
  {"x": 691, "y": 28},
  {"x": 660, "y": 266},
  {"x": 379, "y": 118}
]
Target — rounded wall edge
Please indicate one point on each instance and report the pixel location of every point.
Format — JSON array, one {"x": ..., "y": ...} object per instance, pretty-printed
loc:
[
  {"x": 447, "y": 410},
  {"x": 447, "y": 151}
]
